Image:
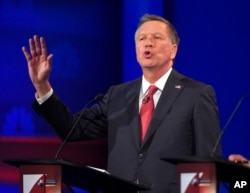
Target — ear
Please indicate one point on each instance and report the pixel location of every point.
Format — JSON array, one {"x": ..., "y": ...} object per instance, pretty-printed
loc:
[{"x": 173, "y": 51}]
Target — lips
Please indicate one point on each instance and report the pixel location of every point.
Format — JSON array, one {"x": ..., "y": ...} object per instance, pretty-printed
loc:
[{"x": 147, "y": 54}]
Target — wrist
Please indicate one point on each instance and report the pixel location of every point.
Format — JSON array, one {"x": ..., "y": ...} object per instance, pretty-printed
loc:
[{"x": 42, "y": 89}]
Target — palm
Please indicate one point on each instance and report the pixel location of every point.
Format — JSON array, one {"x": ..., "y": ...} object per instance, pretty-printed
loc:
[{"x": 38, "y": 69}]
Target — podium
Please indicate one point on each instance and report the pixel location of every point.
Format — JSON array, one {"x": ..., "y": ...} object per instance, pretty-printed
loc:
[
  {"x": 48, "y": 175},
  {"x": 203, "y": 174}
]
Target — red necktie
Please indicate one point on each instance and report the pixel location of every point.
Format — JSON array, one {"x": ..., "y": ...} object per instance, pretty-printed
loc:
[{"x": 147, "y": 109}]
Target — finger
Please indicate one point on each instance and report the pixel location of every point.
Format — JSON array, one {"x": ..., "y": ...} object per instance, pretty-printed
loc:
[
  {"x": 234, "y": 157},
  {"x": 26, "y": 53},
  {"x": 32, "y": 47},
  {"x": 43, "y": 46},
  {"x": 237, "y": 158},
  {"x": 49, "y": 60},
  {"x": 37, "y": 45}
]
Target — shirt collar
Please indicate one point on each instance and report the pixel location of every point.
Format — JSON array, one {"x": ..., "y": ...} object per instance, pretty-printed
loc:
[{"x": 159, "y": 83}]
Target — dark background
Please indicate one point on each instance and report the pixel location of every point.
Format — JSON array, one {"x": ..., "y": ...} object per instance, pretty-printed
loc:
[{"x": 93, "y": 46}]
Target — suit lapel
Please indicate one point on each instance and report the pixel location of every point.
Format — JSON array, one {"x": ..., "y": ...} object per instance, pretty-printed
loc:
[
  {"x": 170, "y": 93},
  {"x": 132, "y": 101}
]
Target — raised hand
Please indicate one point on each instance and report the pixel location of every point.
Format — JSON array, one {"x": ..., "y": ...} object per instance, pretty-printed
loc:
[{"x": 39, "y": 64}]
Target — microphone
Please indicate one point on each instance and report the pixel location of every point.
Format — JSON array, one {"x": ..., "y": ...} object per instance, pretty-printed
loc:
[
  {"x": 97, "y": 97},
  {"x": 228, "y": 122}
]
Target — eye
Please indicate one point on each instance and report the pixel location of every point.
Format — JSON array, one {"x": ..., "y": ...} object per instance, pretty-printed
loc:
[
  {"x": 158, "y": 37},
  {"x": 141, "y": 38}
]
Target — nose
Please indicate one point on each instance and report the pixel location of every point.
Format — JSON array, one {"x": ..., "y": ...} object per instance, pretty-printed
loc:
[{"x": 149, "y": 42}]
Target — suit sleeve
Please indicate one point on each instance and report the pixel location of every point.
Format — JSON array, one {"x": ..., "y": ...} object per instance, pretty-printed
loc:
[
  {"x": 206, "y": 123},
  {"x": 92, "y": 124}
]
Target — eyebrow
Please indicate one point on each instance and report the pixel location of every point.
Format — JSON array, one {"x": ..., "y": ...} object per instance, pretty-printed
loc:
[{"x": 155, "y": 33}]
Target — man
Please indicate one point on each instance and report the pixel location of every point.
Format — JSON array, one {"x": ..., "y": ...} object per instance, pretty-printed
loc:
[{"x": 185, "y": 120}]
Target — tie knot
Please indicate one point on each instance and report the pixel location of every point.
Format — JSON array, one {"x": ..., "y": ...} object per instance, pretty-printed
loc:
[{"x": 152, "y": 89}]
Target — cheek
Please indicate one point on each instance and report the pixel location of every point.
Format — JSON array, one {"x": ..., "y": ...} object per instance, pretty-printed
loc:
[
  {"x": 138, "y": 47},
  {"x": 165, "y": 51},
  {"x": 138, "y": 50}
]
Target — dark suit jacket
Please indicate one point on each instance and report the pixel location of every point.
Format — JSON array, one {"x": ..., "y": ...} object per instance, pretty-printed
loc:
[{"x": 185, "y": 123}]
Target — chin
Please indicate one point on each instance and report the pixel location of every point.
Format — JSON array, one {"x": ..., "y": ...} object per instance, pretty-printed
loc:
[
  {"x": 146, "y": 63},
  {"x": 149, "y": 65}
]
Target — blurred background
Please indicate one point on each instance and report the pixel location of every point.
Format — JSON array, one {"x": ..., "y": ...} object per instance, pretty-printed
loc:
[{"x": 93, "y": 46}]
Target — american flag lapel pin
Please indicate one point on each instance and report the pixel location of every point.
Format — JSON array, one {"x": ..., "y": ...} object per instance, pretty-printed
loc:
[{"x": 178, "y": 86}]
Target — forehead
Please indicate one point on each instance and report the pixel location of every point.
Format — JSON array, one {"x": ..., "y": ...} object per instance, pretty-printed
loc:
[{"x": 152, "y": 27}]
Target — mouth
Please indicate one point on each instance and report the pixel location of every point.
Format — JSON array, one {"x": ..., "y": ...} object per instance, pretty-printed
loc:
[{"x": 147, "y": 54}]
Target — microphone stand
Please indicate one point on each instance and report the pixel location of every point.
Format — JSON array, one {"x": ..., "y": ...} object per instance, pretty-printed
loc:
[
  {"x": 98, "y": 97},
  {"x": 228, "y": 122}
]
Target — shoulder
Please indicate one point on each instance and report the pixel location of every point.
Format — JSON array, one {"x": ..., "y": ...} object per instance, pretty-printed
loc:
[
  {"x": 192, "y": 87},
  {"x": 124, "y": 90},
  {"x": 186, "y": 80},
  {"x": 127, "y": 86}
]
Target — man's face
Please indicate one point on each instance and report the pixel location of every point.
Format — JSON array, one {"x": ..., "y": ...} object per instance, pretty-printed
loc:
[{"x": 153, "y": 46}]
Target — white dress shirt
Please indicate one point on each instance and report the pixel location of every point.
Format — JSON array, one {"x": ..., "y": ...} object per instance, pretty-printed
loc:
[{"x": 159, "y": 84}]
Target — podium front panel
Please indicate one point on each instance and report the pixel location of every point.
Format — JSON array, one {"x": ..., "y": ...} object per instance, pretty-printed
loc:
[
  {"x": 41, "y": 178},
  {"x": 197, "y": 178}
]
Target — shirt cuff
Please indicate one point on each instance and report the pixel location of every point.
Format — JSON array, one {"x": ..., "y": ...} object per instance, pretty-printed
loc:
[{"x": 44, "y": 98}]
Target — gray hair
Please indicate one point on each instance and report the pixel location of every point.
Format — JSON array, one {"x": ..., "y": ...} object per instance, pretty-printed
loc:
[{"x": 172, "y": 31}]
